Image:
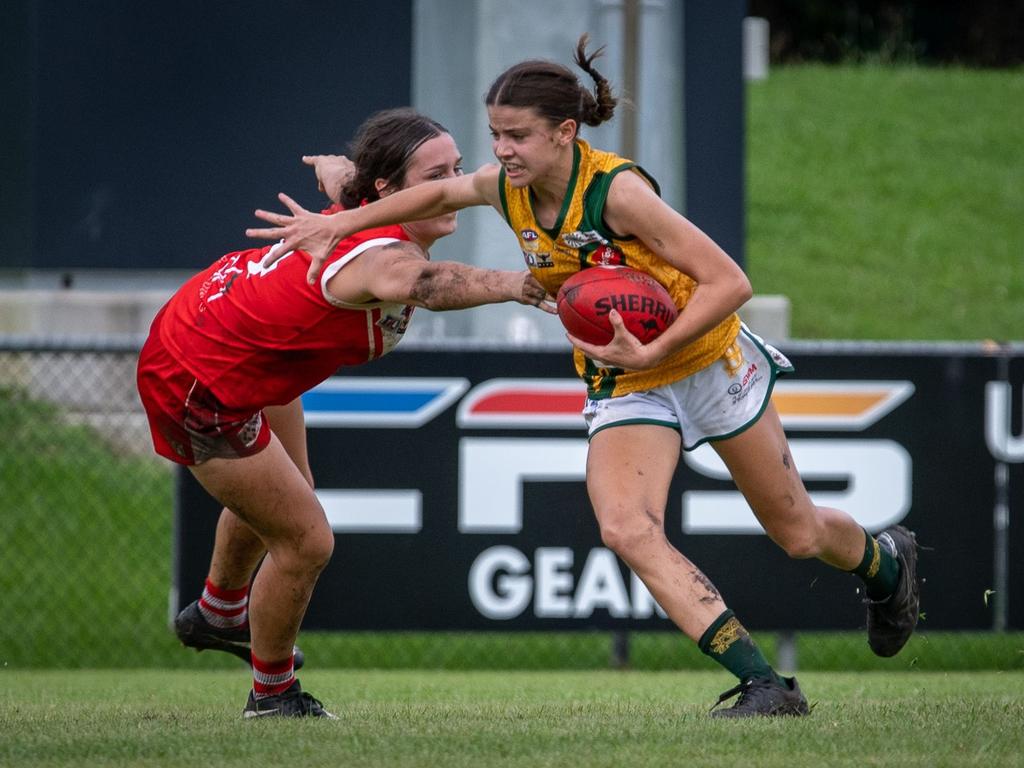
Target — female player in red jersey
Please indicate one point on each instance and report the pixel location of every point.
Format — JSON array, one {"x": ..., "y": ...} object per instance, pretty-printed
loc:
[
  {"x": 705, "y": 379},
  {"x": 231, "y": 352}
]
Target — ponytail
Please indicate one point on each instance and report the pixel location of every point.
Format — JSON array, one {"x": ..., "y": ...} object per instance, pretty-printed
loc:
[{"x": 597, "y": 107}]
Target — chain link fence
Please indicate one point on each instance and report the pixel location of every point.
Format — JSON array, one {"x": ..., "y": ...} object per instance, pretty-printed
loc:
[{"x": 86, "y": 522}]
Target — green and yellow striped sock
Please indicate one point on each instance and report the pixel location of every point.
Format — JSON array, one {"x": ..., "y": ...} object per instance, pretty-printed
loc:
[
  {"x": 728, "y": 642},
  {"x": 879, "y": 569}
]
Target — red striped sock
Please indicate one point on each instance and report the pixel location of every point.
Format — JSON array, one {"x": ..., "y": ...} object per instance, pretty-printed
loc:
[
  {"x": 270, "y": 678},
  {"x": 224, "y": 608}
]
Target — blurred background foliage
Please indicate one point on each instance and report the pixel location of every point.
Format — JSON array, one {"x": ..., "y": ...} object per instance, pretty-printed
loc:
[{"x": 985, "y": 33}]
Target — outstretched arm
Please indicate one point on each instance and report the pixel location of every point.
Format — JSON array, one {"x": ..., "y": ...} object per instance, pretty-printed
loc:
[
  {"x": 318, "y": 234},
  {"x": 400, "y": 272},
  {"x": 333, "y": 172}
]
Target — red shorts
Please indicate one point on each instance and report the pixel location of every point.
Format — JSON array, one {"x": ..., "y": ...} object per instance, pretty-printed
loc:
[{"x": 187, "y": 422}]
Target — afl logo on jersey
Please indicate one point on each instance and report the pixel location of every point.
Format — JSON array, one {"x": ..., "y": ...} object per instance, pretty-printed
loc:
[{"x": 530, "y": 240}]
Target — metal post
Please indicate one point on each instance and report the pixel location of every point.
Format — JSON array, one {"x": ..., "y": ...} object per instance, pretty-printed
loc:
[
  {"x": 1000, "y": 556},
  {"x": 620, "y": 649},
  {"x": 1001, "y": 521},
  {"x": 785, "y": 656},
  {"x": 630, "y": 75},
  {"x": 755, "y": 48}
]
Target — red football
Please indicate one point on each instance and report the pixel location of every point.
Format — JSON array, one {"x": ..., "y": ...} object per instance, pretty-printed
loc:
[{"x": 586, "y": 298}]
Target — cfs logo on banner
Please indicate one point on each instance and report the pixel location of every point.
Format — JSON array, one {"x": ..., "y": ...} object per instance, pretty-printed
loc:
[
  {"x": 1002, "y": 443},
  {"x": 503, "y": 581},
  {"x": 877, "y": 472}
]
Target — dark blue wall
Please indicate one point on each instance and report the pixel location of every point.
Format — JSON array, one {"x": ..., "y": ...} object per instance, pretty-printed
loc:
[
  {"x": 715, "y": 126},
  {"x": 145, "y": 133},
  {"x": 142, "y": 135}
]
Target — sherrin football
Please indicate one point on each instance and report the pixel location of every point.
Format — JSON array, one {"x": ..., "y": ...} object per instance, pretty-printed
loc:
[{"x": 586, "y": 298}]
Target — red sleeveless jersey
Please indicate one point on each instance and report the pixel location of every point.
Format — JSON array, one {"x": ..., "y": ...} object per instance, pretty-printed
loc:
[{"x": 259, "y": 335}]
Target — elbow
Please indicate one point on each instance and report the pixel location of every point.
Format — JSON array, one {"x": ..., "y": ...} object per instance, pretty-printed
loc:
[
  {"x": 743, "y": 290},
  {"x": 431, "y": 290},
  {"x": 421, "y": 292}
]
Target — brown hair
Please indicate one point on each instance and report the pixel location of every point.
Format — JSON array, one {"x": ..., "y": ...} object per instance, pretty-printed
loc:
[
  {"x": 554, "y": 91},
  {"x": 382, "y": 148}
]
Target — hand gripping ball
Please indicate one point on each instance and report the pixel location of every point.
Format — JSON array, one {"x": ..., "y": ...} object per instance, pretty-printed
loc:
[{"x": 586, "y": 298}]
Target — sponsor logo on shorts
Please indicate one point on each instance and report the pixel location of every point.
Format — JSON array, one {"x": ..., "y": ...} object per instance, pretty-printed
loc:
[
  {"x": 778, "y": 358},
  {"x": 250, "y": 431},
  {"x": 740, "y": 389}
]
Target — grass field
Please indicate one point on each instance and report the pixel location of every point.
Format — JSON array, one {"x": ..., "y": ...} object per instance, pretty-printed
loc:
[
  {"x": 162, "y": 718},
  {"x": 888, "y": 202}
]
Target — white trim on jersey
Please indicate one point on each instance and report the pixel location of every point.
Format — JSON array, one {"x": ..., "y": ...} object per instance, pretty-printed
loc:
[{"x": 335, "y": 266}]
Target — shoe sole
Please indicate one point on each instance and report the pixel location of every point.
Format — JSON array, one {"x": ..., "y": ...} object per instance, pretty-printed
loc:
[{"x": 191, "y": 637}]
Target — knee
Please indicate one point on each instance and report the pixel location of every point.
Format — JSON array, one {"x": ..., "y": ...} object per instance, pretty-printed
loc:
[
  {"x": 799, "y": 542},
  {"x": 628, "y": 537},
  {"x": 802, "y": 548},
  {"x": 307, "y": 551},
  {"x": 320, "y": 547},
  {"x": 795, "y": 524}
]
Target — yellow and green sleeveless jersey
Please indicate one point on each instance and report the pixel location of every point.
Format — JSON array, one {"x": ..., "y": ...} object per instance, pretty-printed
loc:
[{"x": 580, "y": 239}]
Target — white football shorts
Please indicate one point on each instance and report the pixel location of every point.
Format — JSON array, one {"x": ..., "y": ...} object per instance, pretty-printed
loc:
[{"x": 717, "y": 402}]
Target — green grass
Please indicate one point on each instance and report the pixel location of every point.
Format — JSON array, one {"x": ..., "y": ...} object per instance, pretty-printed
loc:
[
  {"x": 888, "y": 202},
  {"x": 652, "y": 651},
  {"x": 85, "y": 543},
  {"x": 508, "y": 719}
]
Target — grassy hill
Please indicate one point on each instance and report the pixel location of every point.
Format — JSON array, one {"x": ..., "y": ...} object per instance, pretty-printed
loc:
[{"x": 888, "y": 203}]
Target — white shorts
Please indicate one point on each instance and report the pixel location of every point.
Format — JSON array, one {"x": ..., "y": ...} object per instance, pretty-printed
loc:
[{"x": 717, "y": 402}]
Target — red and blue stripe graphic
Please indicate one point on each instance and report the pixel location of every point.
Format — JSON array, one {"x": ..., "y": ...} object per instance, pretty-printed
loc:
[
  {"x": 380, "y": 402},
  {"x": 509, "y": 403},
  {"x": 525, "y": 404}
]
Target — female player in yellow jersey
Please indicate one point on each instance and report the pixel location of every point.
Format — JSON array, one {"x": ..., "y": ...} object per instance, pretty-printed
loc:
[{"x": 706, "y": 379}]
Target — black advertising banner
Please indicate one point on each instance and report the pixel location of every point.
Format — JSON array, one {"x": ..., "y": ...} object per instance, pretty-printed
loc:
[{"x": 454, "y": 481}]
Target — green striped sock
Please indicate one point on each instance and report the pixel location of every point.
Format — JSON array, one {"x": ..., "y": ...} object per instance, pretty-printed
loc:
[
  {"x": 728, "y": 642},
  {"x": 879, "y": 569}
]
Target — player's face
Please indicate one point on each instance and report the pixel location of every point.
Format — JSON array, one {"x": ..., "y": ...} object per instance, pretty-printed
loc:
[
  {"x": 527, "y": 145},
  {"x": 436, "y": 158}
]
